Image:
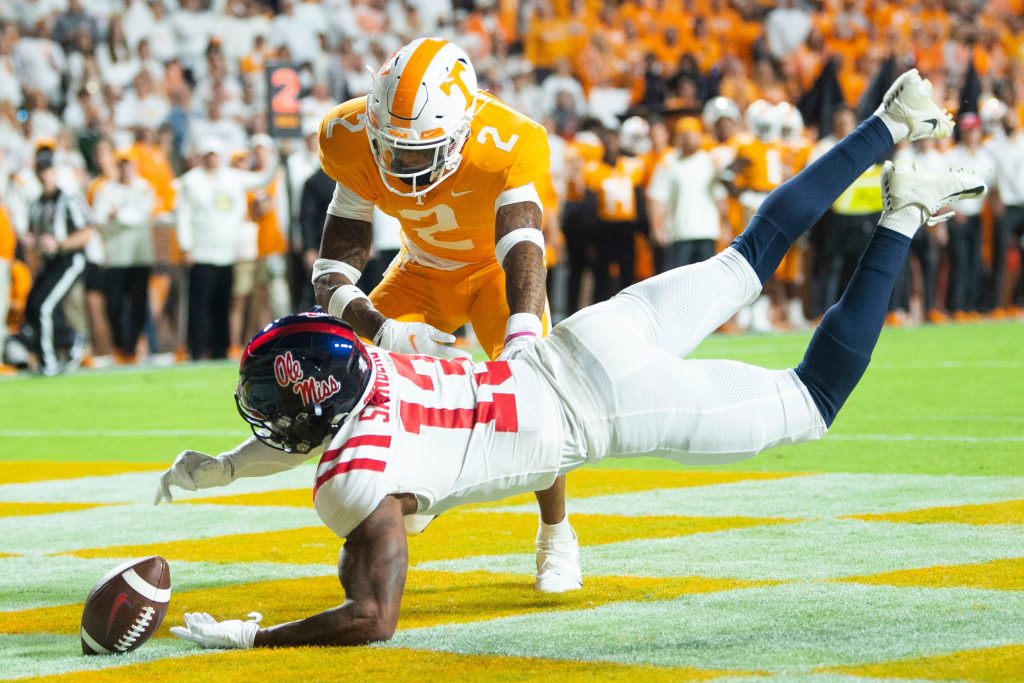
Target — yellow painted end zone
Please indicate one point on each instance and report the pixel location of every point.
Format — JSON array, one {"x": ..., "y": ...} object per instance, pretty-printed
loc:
[
  {"x": 1007, "y": 575},
  {"x": 993, "y": 664},
  {"x": 23, "y": 471}
]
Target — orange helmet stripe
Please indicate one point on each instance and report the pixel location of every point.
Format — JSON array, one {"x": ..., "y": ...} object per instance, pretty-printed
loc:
[{"x": 411, "y": 78}]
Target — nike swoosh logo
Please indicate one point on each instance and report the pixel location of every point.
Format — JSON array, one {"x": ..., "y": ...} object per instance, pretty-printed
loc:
[
  {"x": 973, "y": 190},
  {"x": 934, "y": 122},
  {"x": 119, "y": 602},
  {"x": 412, "y": 343},
  {"x": 459, "y": 194}
]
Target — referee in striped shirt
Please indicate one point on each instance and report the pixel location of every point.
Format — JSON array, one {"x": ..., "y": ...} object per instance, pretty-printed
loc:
[{"x": 60, "y": 225}]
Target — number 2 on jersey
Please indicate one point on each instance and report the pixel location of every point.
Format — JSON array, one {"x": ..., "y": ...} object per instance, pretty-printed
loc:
[{"x": 501, "y": 410}]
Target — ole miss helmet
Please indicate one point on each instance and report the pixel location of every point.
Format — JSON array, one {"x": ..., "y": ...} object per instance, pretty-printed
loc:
[{"x": 299, "y": 378}]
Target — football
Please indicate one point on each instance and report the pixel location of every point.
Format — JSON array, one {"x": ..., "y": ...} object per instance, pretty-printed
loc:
[{"x": 126, "y": 606}]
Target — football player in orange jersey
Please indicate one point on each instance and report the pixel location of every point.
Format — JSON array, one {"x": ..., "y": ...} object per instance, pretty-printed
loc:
[{"x": 458, "y": 168}]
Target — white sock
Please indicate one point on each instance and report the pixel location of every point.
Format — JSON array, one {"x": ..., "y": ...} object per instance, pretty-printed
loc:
[
  {"x": 897, "y": 129},
  {"x": 554, "y": 532},
  {"x": 905, "y": 221}
]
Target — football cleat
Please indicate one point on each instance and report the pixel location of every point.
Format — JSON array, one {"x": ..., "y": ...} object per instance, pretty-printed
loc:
[
  {"x": 558, "y": 566},
  {"x": 909, "y": 100},
  {"x": 903, "y": 185}
]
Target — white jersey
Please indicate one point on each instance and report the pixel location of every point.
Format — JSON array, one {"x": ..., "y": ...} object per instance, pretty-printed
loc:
[{"x": 449, "y": 432}]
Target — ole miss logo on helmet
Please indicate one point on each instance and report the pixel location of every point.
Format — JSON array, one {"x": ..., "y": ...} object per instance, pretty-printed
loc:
[{"x": 288, "y": 372}]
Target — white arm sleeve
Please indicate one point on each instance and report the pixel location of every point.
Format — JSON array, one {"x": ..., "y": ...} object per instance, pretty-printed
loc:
[
  {"x": 253, "y": 458},
  {"x": 348, "y": 204},
  {"x": 514, "y": 195}
]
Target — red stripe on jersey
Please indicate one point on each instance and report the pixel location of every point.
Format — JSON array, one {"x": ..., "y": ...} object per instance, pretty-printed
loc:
[
  {"x": 325, "y": 328},
  {"x": 347, "y": 466},
  {"x": 380, "y": 440},
  {"x": 501, "y": 411},
  {"x": 496, "y": 373}
]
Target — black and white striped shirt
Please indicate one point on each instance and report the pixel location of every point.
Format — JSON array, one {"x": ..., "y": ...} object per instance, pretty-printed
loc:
[{"x": 60, "y": 214}]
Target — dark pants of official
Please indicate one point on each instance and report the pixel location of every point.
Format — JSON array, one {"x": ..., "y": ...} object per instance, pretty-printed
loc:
[
  {"x": 127, "y": 298},
  {"x": 964, "y": 263},
  {"x": 1009, "y": 229},
  {"x": 923, "y": 249},
  {"x": 46, "y": 331},
  {"x": 839, "y": 241},
  {"x": 616, "y": 243},
  {"x": 686, "y": 252},
  {"x": 209, "y": 297}
]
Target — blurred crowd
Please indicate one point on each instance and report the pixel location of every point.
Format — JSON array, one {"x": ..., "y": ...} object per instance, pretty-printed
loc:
[{"x": 146, "y": 214}]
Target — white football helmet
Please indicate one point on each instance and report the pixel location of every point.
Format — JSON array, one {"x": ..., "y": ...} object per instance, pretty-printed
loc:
[
  {"x": 762, "y": 120},
  {"x": 791, "y": 122},
  {"x": 720, "y": 108},
  {"x": 635, "y": 136},
  {"x": 418, "y": 113}
]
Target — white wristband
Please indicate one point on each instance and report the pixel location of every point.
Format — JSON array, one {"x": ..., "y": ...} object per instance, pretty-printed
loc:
[
  {"x": 342, "y": 297},
  {"x": 522, "y": 325},
  {"x": 518, "y": 235},
  {"x": 323, "y": 266}
]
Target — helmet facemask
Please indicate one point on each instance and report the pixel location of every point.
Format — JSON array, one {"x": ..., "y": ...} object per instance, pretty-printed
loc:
[{"x": 412, "y": 168}]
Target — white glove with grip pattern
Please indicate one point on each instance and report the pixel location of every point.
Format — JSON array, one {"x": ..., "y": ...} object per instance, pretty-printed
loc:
[
  {"x": 193, "y": 470},
  {"x": 420, "y": 338},
  {"x": 205, "y": 631}
]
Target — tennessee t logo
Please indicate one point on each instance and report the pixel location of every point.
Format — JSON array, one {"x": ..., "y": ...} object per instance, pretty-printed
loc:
[{"x": 455, "y": 79}]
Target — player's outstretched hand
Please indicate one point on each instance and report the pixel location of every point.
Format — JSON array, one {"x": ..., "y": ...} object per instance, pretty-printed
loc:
[
  {"x": 193, "y": 470},
  {"x": 205, "y": 631},
  {"x": 421, "y": 338}
]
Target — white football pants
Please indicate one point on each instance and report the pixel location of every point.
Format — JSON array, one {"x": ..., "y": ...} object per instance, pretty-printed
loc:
[{"x": 619, "y": 371}]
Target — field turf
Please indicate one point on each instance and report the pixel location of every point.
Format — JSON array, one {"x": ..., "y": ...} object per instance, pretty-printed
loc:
[{"x": 891, "y": 550}]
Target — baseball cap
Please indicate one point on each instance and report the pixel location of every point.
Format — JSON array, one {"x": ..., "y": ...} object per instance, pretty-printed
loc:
[
  {"x": 209, "y": 145},
  {"x": 44, "y": 158}
]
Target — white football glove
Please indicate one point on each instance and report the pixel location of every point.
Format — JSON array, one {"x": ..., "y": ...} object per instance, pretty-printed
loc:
[
  {"x": 205, "y": 631},
  {"x": 421, "y": 338},
  {"x": 514, "y": 347},
  {"x": 194, "y": 470}
]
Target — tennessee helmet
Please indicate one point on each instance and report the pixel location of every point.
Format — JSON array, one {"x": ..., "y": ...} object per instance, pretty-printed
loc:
[
  {"x": 418, "y": 113},
  {"x": 720, "y": 108},
  {"x": 791, "y": 122},
  {"x": 635, "y": 136},
  {"x": 762, "y": 120},
  {"x": 299, "y": 378}
]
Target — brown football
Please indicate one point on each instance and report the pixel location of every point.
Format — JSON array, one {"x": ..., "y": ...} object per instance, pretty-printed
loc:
[{"x": 126, "y": 607}]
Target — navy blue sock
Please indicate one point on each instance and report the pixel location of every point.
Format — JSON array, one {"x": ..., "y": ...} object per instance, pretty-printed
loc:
[
  {"x": 793, "y": 207},
  {"x": 841, "y": 347}
]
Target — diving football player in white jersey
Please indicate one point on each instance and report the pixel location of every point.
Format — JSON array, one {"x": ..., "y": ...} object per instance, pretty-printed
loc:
[{"x": 401, "y": 434}]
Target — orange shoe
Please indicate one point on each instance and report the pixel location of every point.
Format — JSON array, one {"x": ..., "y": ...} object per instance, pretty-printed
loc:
[
  {"x": 976, "y": 316},
  {"x": 962, "y": 316},
  {"x": 894, "y": 319},
  {"x": 937, "y": 317},
  {"x": 180, "y": 355},
  {"x": 7, "y": 370},
  {"x": 235, "y": 352}
]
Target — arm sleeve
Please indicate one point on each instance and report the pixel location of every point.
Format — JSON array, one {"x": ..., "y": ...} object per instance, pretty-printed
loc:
[
  {"x": 344, "y": 500},
  {"x": 348, "y": 204},
  {"x": 253, "y": 458}
]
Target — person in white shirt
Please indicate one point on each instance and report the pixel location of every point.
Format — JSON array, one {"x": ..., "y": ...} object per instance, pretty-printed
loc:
[
  {"x": 211, "y": 210},
  {"x": 123, "y": 207},
  {"x": 965, "y": 277},
  {"x": 686, "y": 196},
  {"x": 1008, "y": 154}
]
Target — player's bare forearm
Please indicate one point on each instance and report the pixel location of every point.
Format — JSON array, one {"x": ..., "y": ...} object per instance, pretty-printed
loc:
[
  {"x": 347, "y": 240},
  {"x": 372, "y": 568},
  {"x": 525, "y": 287}
]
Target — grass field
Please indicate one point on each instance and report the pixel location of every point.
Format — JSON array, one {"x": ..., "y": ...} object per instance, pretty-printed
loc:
[{"x": 891, "y": 550}]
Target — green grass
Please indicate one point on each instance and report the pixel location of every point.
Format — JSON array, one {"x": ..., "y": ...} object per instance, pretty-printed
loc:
[{"x": 963, "y": 383}]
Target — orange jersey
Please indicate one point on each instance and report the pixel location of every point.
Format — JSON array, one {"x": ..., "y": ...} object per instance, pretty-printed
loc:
[
  {"x": 765, "y": 169},
  {"x": 454, "y": 221},
  {"x": 8, "y": 238},
  {"x": 615, "y": 187},
  {"x": 269, "y": 239}
]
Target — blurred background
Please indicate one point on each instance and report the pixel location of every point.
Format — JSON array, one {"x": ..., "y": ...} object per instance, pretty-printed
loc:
[{"x": 668, "y": 123}]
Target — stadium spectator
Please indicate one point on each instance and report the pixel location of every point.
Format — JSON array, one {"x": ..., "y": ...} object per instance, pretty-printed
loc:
[
  {"x": 965, "y": 277},
  {"x": 124, "y": 209},
  {"x": 1007, "y": 152},
  {"x": 686, "y": 195}
]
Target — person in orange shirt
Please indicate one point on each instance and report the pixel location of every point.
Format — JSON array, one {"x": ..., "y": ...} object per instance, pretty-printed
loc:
[
  {"x": 271, "y": 241},
  {"x": 459, "y": 169},
  {"x": 8, "y": 242},
  {"x": 616, "y": 183}
]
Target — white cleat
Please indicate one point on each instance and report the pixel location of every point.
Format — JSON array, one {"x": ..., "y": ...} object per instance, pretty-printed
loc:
[
  {"x": 558, "y": 566},
  {"x": 909, "y": 100},
  {"x": 903, "y": 185}
]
